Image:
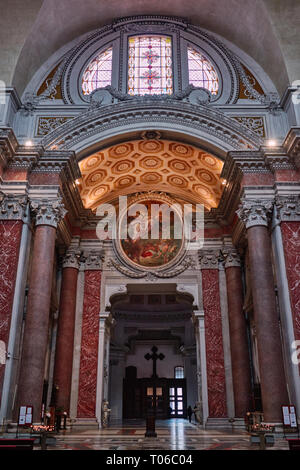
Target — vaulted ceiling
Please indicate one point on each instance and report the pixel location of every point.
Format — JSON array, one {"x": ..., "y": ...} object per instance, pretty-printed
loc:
[{"x": 174, "y": 167}]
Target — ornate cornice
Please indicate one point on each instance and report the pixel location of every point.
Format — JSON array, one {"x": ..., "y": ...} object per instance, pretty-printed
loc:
[
  {"x": 231, "y": 258},
  {"x": 48, "y": 212},
  {"x": 199, "y": 117},
  {"x": 209, "y": 259},
  {"x": 72, "y": 259},
  {"x": 288, "y": 208},
  {"x": 292, "y": 145},
  {"x": 255, "y": 212},
  {"x": 12, "y": 207},
  {"x": 8, "y": 145}
]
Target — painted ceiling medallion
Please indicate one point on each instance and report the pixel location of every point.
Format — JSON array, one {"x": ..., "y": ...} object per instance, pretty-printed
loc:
[{"x": 148, "y": 247}]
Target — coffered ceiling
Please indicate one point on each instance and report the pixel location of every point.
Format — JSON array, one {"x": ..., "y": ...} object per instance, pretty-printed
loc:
[{"x": 181, "y": 170}]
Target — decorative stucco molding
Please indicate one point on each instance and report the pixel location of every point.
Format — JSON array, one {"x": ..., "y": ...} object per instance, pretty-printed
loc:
[
  {"x": 72, "y": 259},
  {"x": 231, "y": 258},
  {"x": 93, "y": 261},
  {"x": 288, "y": 208},
  {"x": 147, "y": 110},
  {"x": 48, "y": 212},
  {"x": 12, "y": 207},
  {"x": 255, "y": 212},
  {"x": 209, "y": 259}
]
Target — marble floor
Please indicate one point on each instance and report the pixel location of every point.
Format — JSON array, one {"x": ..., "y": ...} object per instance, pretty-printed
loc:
[{"x": 171, "y": 435}]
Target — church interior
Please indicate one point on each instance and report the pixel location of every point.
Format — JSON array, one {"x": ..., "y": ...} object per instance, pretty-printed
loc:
[{"x": 162, "y": 106}]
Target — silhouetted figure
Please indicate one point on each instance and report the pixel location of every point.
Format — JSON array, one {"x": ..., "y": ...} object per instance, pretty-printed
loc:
[{"x": 190, "y": 413}]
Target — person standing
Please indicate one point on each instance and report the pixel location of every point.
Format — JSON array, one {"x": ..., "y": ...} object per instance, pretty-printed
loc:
[{"x": 190, "y": 413}]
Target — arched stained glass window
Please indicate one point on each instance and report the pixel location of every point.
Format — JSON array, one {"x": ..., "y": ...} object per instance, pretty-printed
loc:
[
  {"x": 201, "y": 72},
  {"x": 150, "y": 65},
  {"x": 98, "y": 72}
]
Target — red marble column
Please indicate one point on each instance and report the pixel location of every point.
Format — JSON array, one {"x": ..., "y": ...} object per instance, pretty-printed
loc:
[
  {"x": 271, "y": 366},
  {"x": 10, "y": 237},
  {"x": 86, "y": 406},
  {"x": 38, "y": 307},
  {"x": 213, "y": 336},
  {"x": 66, "y": 328},
  {"x": 240, "y": 359}
]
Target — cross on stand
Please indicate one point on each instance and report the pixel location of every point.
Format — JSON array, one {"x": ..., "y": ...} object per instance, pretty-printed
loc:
[
  {"x": 151, "y": 414},
  {"x": 154, "y": 356}
]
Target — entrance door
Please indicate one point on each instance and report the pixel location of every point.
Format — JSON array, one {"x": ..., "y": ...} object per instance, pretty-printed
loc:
[{"x": 177, "y": 399}]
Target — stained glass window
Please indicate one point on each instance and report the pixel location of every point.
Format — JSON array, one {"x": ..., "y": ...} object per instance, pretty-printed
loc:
[
  {"x": 98, "y": 72},
  {"x": 150, "y": 65},
  {"x": 201, "y": 72}
]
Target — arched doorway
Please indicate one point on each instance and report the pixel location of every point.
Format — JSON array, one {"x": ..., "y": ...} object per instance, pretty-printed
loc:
[{"x": 153, "y": 360}]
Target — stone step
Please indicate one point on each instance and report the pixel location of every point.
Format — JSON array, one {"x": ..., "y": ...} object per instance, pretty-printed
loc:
[{"x": 225, "y": 423}]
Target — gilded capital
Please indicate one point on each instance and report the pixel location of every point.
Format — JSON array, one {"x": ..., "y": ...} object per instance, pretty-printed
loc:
[
  {"x": 255, "y": 212},
  {"x": 48, "y": 211}
]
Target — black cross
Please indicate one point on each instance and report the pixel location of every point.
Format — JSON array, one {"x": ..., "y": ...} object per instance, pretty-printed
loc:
[{"x": 154, "y": 358}]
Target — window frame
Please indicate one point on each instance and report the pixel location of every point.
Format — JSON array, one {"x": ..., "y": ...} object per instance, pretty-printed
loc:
[
  {"x": 127, "y": 60},
  {"x": 177, "y": 367},
  {"x": 125, "y": 57}
]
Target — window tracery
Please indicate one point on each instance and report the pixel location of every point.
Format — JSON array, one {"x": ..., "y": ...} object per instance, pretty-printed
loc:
[{"x": 98, "y": 72}]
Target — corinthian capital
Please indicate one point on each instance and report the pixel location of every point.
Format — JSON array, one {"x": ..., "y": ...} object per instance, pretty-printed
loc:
[
  {"x": 255, "y": 212},
  {"x": 12, "y": 207},
  {"x": 209, "y": 259},
  {"x": 231, "y": 258},
  {"x": 72, "y": 259},
  {"x": 48, "y": 212},
  {"x": 93, "y": 261},
  {"x": 288, "y": 208}
]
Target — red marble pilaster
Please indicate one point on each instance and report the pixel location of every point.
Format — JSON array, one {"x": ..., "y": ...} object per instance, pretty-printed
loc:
[
  {"x": 214, "y": 344},
  {"x": 10, "y": 237},
  {"x": 291, "y": 244},
  {"x": 89, "y": 345}
]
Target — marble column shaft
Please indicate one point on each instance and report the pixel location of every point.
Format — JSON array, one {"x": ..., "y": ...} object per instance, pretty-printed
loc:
[
  {"x": 32, "y": 369},
  {"x": 273, "y": 382},
  {"x": 240, "y": 359},
  {"x": 66, "y": 328}
]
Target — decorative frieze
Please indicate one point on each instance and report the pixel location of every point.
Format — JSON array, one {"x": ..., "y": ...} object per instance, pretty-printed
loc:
[
  {"x": 48, "y": 212},
  {"x": 47, "y": 124},
  {"x": 12, "y": 207},
  {"x": 72, "y": 259},
  {"x": 255, "y": 212},
  {"x": 288, "y": 208},
  {"x": 209, "y": 259},
  {"x": 231, "y": 258},
  {"x": 254, "y": 123}
]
